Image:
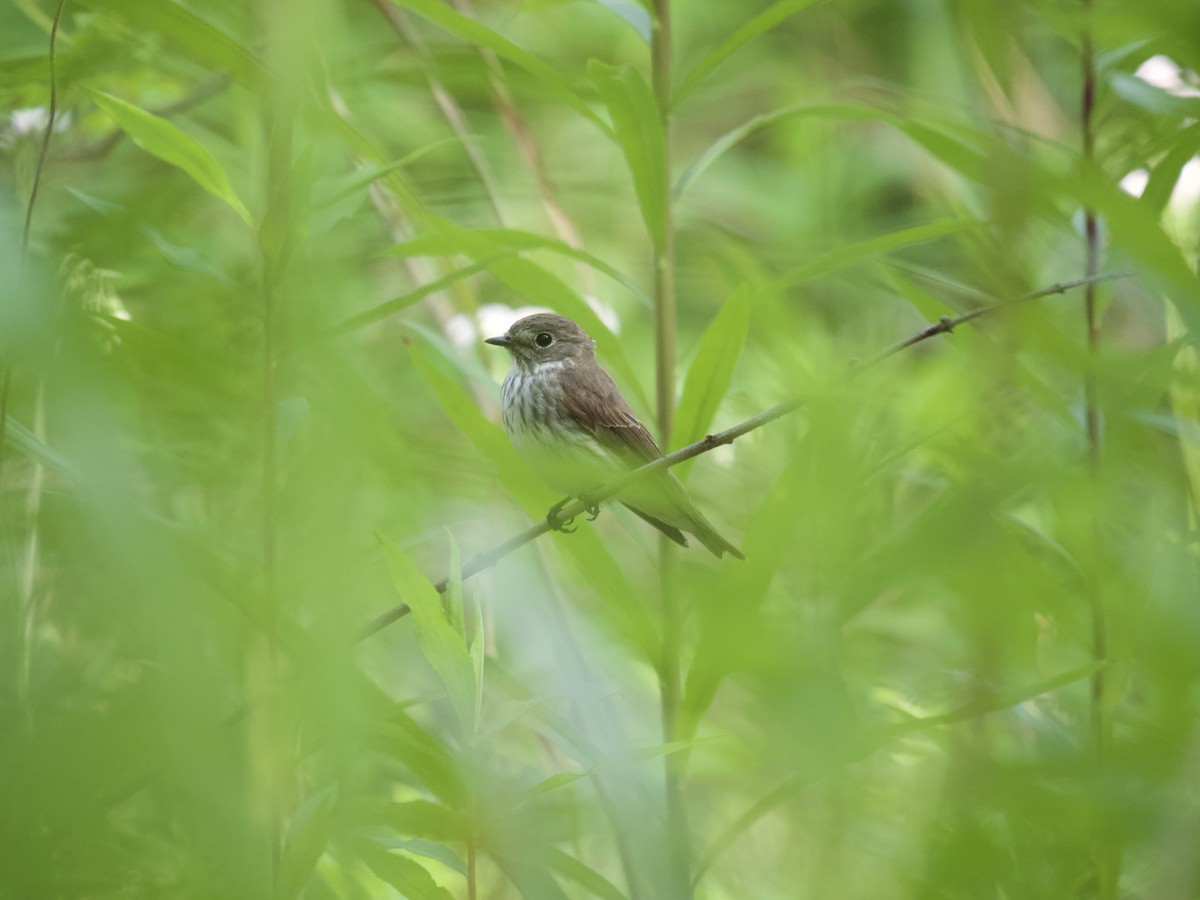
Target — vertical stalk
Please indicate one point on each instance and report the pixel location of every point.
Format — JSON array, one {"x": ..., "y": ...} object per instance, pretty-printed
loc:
[
  {"x": 1091, "y": 267},
  {"x": 664, "y": 257},
  {"x": 1108, "y": 859},
  {"x": 670, "y": 679},
  {"x": 21, "y": 624}
]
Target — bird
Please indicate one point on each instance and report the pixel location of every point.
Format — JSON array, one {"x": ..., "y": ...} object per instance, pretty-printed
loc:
[{"x": 567, "y": 418}]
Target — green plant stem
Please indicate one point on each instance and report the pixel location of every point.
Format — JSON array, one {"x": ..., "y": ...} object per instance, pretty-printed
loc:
[
  {"x": 710, "y": 442},
  {"x": 669, "y": 670},
  {"x": 1108, "y": 859}
]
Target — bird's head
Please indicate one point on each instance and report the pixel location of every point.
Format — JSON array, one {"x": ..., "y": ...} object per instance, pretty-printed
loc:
[{"x": 545, "y": 338}]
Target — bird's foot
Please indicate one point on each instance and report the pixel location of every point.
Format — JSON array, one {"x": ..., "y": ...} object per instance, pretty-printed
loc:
[
  {"x": 552, "y": 517},
  {"x": 592, "y": 507}
]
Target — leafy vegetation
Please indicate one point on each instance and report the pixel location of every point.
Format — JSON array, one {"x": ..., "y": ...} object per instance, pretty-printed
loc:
[{"x": 249, "y": 255}]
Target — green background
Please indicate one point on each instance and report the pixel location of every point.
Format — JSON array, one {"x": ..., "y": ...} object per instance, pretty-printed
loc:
[{"x": 246, "y": 409}]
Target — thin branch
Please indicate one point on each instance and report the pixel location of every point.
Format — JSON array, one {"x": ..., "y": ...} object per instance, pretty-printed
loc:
[
  {"x": 6, "y": 385},
  {"x": 710, "y": 442}
]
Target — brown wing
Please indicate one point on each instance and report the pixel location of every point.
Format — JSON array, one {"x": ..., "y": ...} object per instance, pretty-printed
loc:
[{"x": 597, "y": 405}]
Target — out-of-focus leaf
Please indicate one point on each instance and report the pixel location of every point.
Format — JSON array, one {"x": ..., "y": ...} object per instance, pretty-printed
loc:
[
  {"x": 584, "y": 876},
  {"x": 1137, "y": 231},
  {"x": 1165, "y": 174},
  {"x": 635, "y": 15},
  {"x": 479, "y": 35},
  {"x": 1152, "y": 99},
  {"x": 454, "y": 586},
  {"x": 429, "y": 849},
  {"x": 554, "y": 781},
  {"x": 424, "y": 819},
  {"x": 711, "y": 371},
  {"x": 406, "y": 875},
  {"x": 335, "y": 190},
  {"x": 515, "y": 240},
  {"x": 307, "y": 836},
  {"x": 487, "y": 437},
  {"x": 169, "y": 143},
  {"x": 764, "y": 21},
  {"x": 441, "y": 645},
  {"x": 843, "y": 257},
  {"x": 635, "y": 117},
  {"x": 403, "y": 302},
  {"x": 951, "y": 150},
  {"x": 195, "y": 37},
  {"x": 28, "y": 443}
]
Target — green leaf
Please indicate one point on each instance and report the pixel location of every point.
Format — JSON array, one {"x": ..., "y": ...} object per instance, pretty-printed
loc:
[
  {"x": 585, "y": 876},
  {"x": 844, "y": 257},
  {"x": 1166, "y": 172},
  {"x": 442, "y": 646},
  {"x": 473, "y": 32},
  {"x": 424, "y": 819},
  {"x": 487, "y": 437},
  {"x": 307, "y": 836},
  {"x": 404, "y": 301},
  {"x": 639, "y": 133},
  {"x": 160, "y": 138},
  {"x": 554, "y": 781},
  {"x": 406, "y": 875},
  {"x": 764, "y": 21},
  {"x": 195, "y": 37},
  {"x": 516, "y": 241},
  {"x": 454, "y": 587},
  {"x": 950, "y": 150},
  {"x": 709, "y": 375}
]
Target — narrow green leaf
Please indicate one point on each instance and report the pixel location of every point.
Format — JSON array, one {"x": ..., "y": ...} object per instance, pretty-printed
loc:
[
  {"x": 487, "y": 437},
  {"x": 554, "y": 781},
  {"x": 585, "y": 876},
  {"x": 1166, "y": 172},
  {"x": 331, "y": 191},
  {"x": 442, "y": 646},
  {"x": 844, "y": 257},
  {"x": 421, "y": 818},
  {"x": 479, "y": 35},
  {"x": 160, "y": 138},
  {"x": 764, "y": 21},
  {"x": 514, "y": 240},
  {"x": 454, "y": 587},
  {"x": 634, "y": 113},
  {"x": 403, "y": 302},
  {"x": 193, "y": 36},
  {"x": 711, "y": 371},
  {"x": 307, "y": 836},
  {"x": 406, "y": 875}
]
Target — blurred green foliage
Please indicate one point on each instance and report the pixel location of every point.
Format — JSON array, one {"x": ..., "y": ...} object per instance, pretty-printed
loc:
[{"x": 246, "y": 409}]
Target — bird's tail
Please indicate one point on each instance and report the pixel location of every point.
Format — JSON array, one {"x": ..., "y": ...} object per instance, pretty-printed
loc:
[{"x": 711, "y": 538}]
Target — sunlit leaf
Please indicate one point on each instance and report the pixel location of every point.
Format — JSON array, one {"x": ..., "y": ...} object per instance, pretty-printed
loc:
[
  {"x": 635, "y": 116},
  {"x": 406, "y": 875},
  {"x": 442, "y": 645},
  {"x": 307, "y": 836},
  {"x": 711, "y": 371},
  {"x": 172, "y": 145}
]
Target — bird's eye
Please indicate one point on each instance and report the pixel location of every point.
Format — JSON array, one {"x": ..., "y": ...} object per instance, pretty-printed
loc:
[{"x": 544, "y": 339}]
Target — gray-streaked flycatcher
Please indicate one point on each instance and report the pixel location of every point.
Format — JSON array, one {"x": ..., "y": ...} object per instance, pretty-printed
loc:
[{"x": 565, "y": 415}]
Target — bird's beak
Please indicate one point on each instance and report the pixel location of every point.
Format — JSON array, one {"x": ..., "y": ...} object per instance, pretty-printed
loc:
[{"x": 503, "y": 341}]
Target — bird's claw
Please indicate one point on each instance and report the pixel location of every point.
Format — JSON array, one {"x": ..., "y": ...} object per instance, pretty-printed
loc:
[
  {"x": 553, "y": 521},
  {"x": 593, "y": 510}
]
